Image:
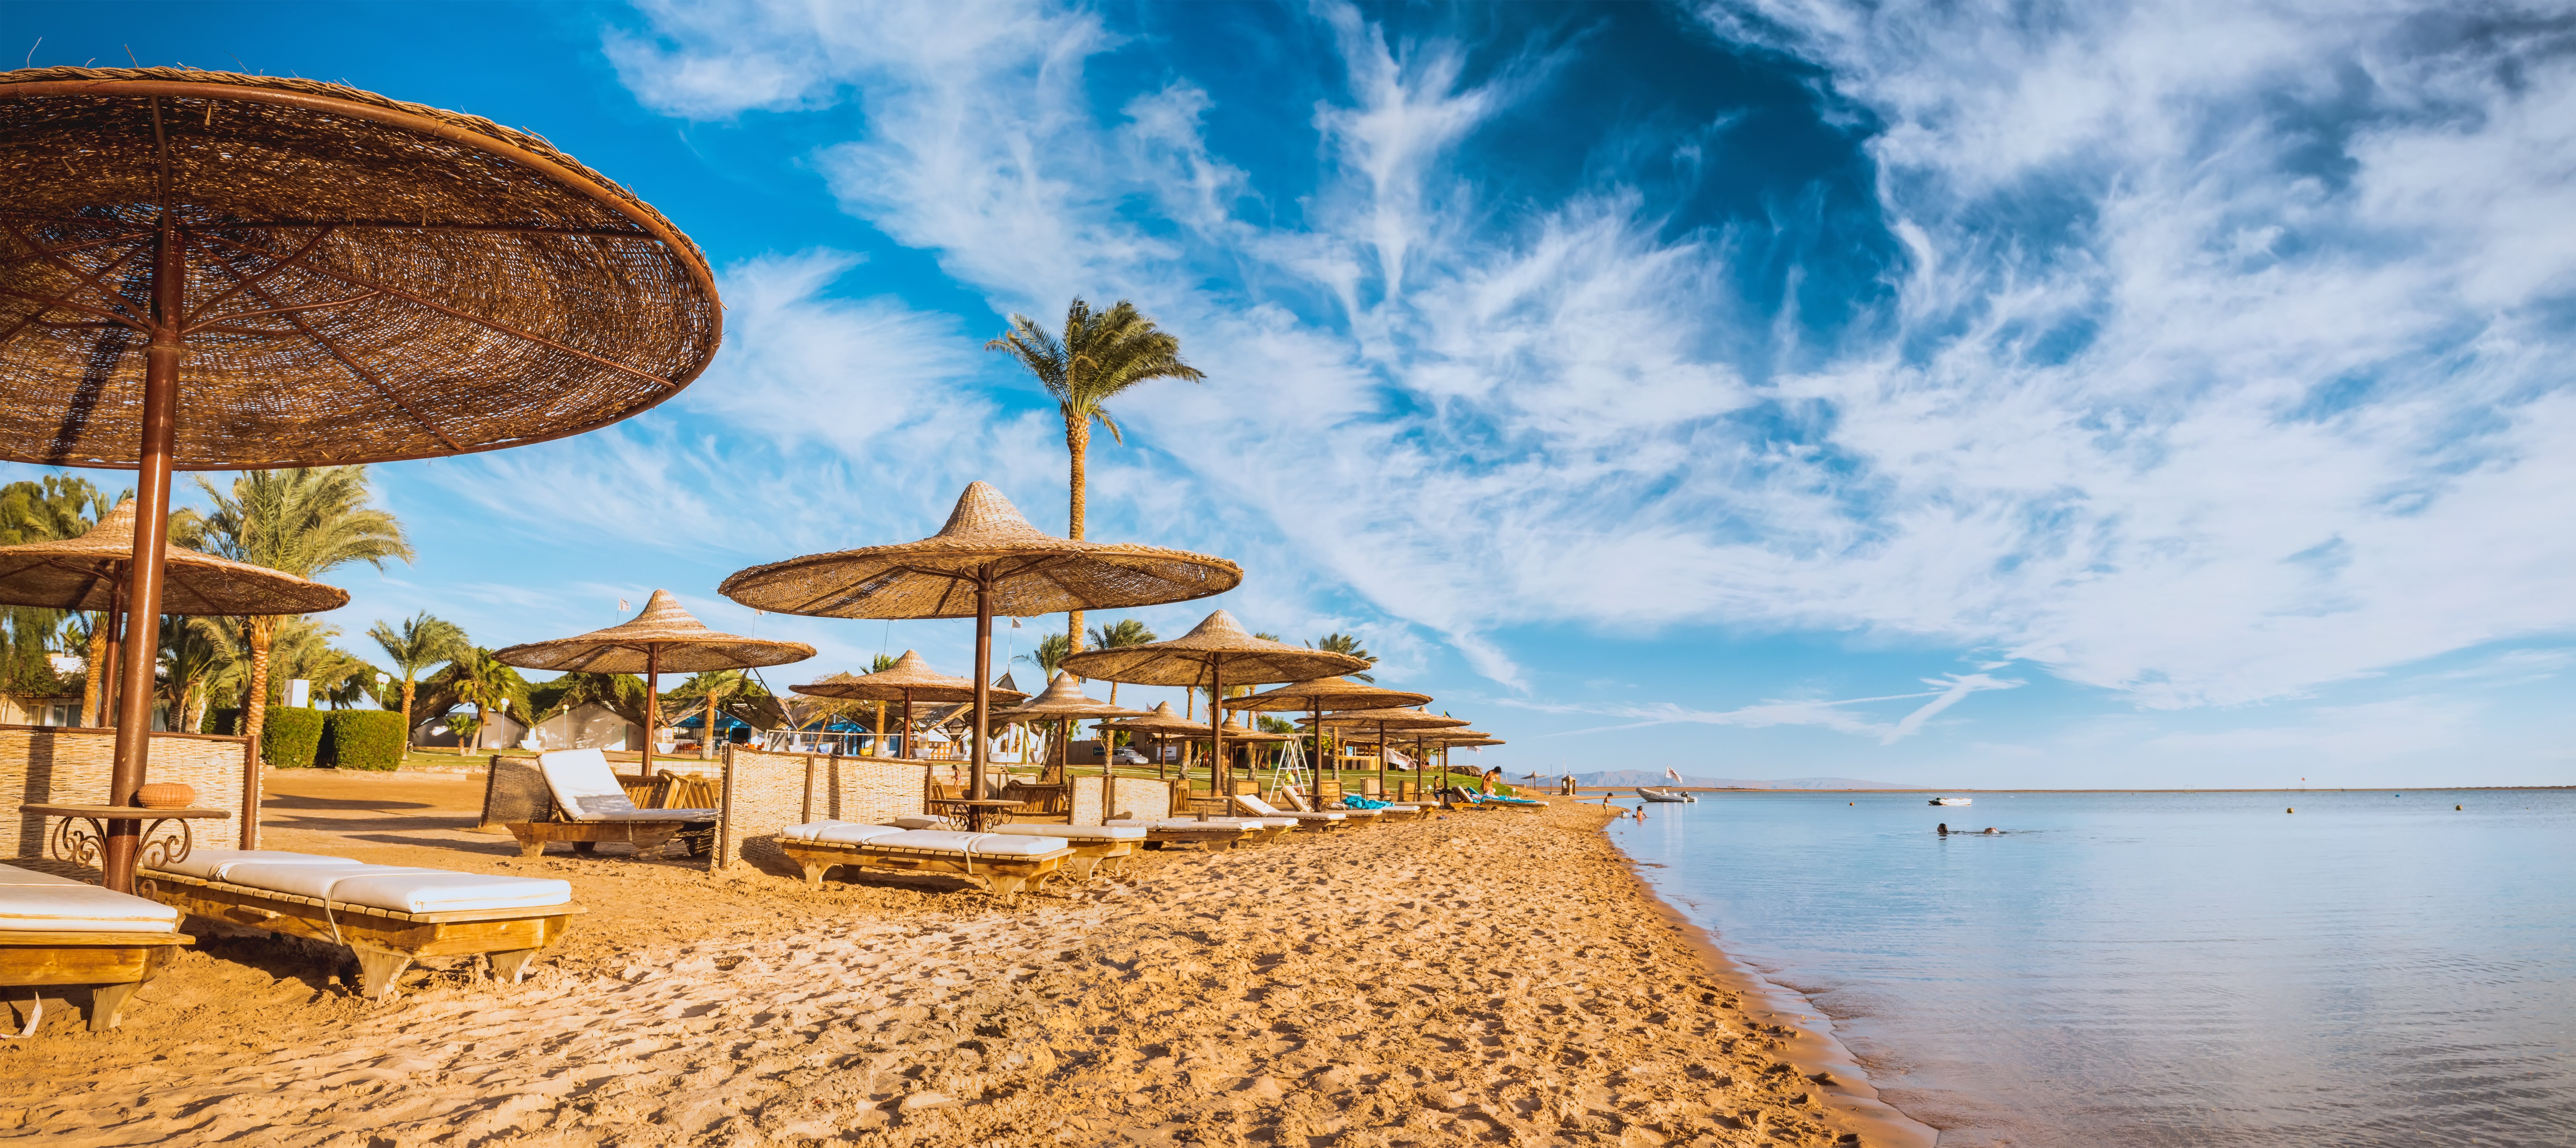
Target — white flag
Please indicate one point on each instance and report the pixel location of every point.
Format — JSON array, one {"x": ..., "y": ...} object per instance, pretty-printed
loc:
[
  {"x": 1668, "y": 772},
  {"x": 1015, "y": 623},
  {"x": 621, "y": 605}
]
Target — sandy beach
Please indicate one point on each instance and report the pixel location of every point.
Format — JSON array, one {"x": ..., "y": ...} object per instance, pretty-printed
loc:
[{"x": 1483, "y": 978}]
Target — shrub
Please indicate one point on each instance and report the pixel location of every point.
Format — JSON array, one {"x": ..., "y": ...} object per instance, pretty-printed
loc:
[
  {"x": 226, "y": 721},
  {"x": 363, "y": 739},
  {"x": 291, "y": 737}
]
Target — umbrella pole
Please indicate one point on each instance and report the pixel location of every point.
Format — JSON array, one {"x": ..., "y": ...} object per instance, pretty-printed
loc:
[
  {"x": 983, "y": 690},
  {"x": 652, "y": 707},
  {"x": 151, "y": 536},
  {"x": 905, "y": 747},
  {"x": 1217, "y": 765},
  {"x": 1315, "y": 713},
  {"x": 1381, "y": 759}
]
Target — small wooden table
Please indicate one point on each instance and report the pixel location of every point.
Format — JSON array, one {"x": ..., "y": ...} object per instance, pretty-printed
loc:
[
  {"x": 70, "y": 841},
  {"x": 979, "y": 811}
]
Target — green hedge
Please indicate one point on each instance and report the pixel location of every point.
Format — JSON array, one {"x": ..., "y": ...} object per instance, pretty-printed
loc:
[
  {"x": 226, "y": 721},
  {"x": 291, "y": 737},
  {"x": 363, "y": 739}
]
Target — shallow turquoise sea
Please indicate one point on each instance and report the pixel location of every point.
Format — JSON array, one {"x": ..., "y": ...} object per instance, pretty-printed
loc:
[{"x": 2164, "y": 969}]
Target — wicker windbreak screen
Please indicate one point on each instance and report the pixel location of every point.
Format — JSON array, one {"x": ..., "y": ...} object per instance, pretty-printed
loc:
[{"x": 365, "y": 279}]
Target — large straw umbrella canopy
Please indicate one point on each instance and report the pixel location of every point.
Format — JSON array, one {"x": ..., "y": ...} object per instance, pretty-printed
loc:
[
  {"x": 95, "y": 572},
  {"x": 89, "y": 573},
  {"x": 910, "y": 679},
  {"x": 1214, "y": 655},
  {"x": 662, "y": 636},
  {"x": 210, "y": 271},
  {"x": 1334, "y": 693},
  {"x": 1064, "y": 702},
  {"x": 987, "y": 560}
]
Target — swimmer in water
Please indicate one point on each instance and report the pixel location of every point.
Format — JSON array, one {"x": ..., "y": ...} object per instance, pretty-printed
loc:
[{"x": 1943, "y": 829}]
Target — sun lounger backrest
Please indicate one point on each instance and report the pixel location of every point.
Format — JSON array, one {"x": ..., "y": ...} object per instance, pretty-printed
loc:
[
  {"x": 1254, "y": 804},
  {"x": 583, "y": 784}
]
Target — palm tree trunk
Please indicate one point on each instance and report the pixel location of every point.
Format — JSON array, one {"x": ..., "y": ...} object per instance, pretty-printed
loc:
[
  {"x": 90, "y": 713},
  {"x": 262, "y": 630},
  {"x": 406, "y": 712},
  {"x": 1077, "y": 443}
]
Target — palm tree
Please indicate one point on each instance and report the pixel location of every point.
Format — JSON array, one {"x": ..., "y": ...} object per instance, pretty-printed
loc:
[
  {"x": 1099, "y": 356},
  {"x": 1346, "y": 644},
  {"x": 486, "y": 685},
  {"x": 1119, "y": 635},
  {"x": 423, "y": 641},
  {"x": 192, "y": 656},
  {"x": 1050, "y": 655},
  {"x": 303, "y": 520}
]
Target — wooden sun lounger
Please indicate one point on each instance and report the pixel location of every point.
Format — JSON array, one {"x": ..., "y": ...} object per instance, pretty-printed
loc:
[
  {"x": 386, "y": 941},
  {"x": 112, "y": 964},
  {"x": 589, "y": 806},
  {"x": 1229, "y": 834},
  {"x": 1253, "y": 806},
  {"x": 1005, "y": 874}
]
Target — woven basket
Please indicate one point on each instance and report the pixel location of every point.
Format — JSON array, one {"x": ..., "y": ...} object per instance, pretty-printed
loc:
[{"x": 165, "y": 795}]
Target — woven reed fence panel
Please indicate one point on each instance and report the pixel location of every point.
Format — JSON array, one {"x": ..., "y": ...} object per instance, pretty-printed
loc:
[
  {"x": 1138, "y": 797},
  {"x": 772, "y": 791},
  {"x": 1098, "y": 799},
  {"x": 66, "y": 766}
]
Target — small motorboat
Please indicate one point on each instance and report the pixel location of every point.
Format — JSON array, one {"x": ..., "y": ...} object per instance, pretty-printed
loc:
[
  {"x": 1951, "y": 801},
  {"x": 1651, "y": 794}
]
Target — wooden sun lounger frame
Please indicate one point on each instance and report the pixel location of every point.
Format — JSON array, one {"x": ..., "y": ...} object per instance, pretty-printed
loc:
[
  {"x": 386, "y": 941},
  {"x": 112, "y": 964},
  {"x": 1231, "y": 836},
  {"x": 1006, "y": 875},
  {"x": 1305, "y": 819},
  {"x": 648, "y": 837}
]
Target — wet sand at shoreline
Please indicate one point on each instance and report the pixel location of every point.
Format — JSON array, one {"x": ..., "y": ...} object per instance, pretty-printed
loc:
[{"x": 1492, "y": 977}]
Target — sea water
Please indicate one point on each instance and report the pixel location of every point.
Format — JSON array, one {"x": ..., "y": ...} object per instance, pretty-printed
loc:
[{"x": 2163, "y": 968}]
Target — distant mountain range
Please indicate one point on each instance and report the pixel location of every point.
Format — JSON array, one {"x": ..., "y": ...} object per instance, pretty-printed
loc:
[{"x": 1625, "y": 777}]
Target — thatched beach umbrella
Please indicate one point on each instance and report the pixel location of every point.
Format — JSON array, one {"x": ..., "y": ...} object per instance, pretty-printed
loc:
[
  {"x": 1217, "y": 654},
  {"x": 986, "y": 561},
  {"x": 1390, "y": 719},
  {"x": 95, "y": 572},
  {"x": 662, "y": 636},
  {"x": 209, "y": 271},
  {"x": 1063, "y": 702},
  {"x": 92, "y": 572},
  {"x": 910, "y": 679},
  {"x": 1428, "y": 741},
  {"x": 1157, "y": 723},
  {"x": 1335, "y": 693}
]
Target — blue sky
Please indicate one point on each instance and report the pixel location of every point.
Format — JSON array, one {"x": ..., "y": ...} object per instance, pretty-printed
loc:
[{"x": 2109, "y": 394}]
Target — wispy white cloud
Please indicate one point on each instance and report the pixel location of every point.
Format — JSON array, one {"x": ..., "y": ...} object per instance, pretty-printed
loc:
[{"x": 2220, "y": 367}]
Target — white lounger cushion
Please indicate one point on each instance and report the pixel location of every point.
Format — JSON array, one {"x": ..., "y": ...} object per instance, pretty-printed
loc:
[
  {"x": 587, "y": 790},
  {"x": 975, "y": 844},
  {"x": 401, "y": 888},
  {"x": 839, "y": 832},
  {"x": 74, "y": 907},
  {"x": 1075, "y": 832},
  {"x": 210, "y": 864},
  {"x": 12, "y": 875}
]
